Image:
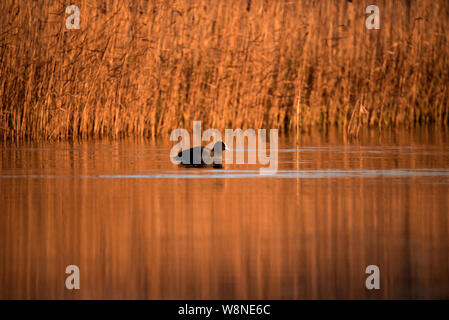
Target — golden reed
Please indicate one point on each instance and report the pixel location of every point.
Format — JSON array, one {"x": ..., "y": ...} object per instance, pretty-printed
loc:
[{"x": 143, "y": 68}]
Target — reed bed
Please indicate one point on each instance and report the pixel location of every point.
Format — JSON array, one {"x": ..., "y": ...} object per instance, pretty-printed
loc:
[{"x": 142, "y": 68}]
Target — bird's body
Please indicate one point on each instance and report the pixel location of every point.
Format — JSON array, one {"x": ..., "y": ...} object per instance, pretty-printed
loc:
[{"x": 187, "y": 157}]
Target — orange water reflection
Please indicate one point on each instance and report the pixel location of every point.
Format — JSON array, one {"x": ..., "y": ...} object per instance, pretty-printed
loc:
[{"x": 143, "y": 237}]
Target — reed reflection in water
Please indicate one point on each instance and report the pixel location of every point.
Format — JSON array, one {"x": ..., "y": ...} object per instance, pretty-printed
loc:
[{"x": 140, "y": 228}]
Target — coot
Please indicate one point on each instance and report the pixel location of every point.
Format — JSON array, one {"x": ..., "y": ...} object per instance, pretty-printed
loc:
[{"x": 187, "y": 156}]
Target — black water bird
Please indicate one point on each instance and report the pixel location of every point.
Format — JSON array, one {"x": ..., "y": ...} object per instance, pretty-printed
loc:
[{"x": 187, "y": 157}]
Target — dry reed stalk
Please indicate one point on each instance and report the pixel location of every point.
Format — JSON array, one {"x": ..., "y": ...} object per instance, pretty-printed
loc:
[
  {"x": 356, "y": 121},
  {"x": 143, "y": 68}
]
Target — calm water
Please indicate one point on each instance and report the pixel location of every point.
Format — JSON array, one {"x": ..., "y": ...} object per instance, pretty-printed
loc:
[{"x": 141, "y": 228}]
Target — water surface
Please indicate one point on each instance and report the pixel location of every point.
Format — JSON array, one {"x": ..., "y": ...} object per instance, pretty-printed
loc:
[{"x": 141, "y": 228}]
